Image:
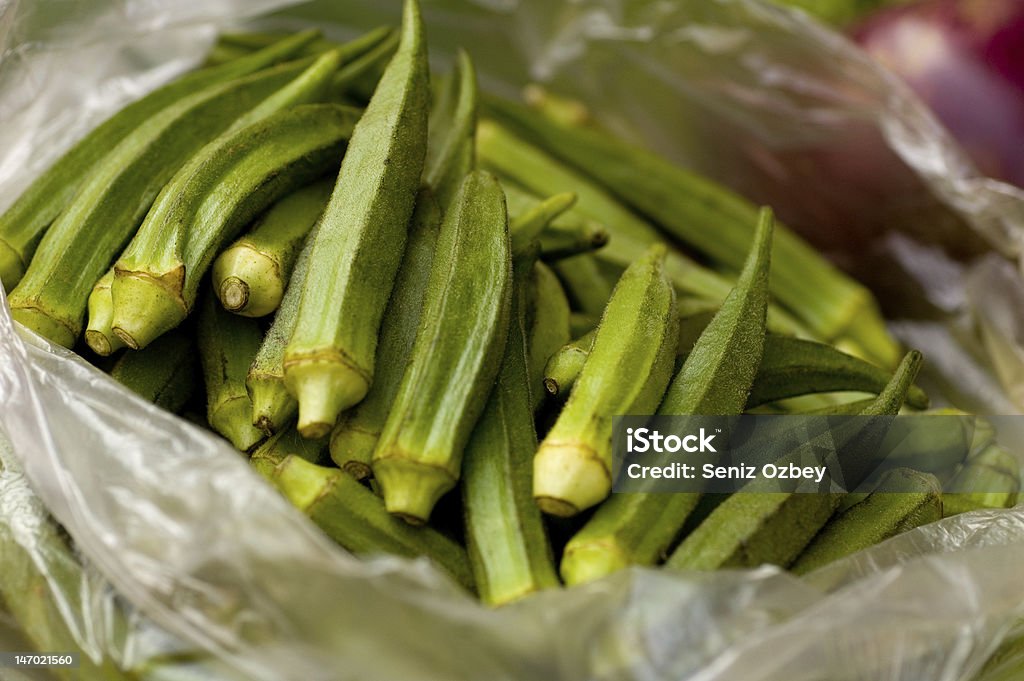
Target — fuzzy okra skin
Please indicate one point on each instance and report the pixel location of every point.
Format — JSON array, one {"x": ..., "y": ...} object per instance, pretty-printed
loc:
[
  {"x": 452, "y": 124},
  {"x": 250, "y": 275},
  {"x": 358, "y": 246},
  {"x": 355, "y": 437},
  {"x": 754, "y": 526},
  {"x": 684, "y": 204},
  {"x": 626, "y": 373},
  {"x": 79, "y": 246},
  {"x": 24, "y": 223},
  {"x": 272, "y": 150},
  {"x": 637, "y": 529},
  {"x": 455, "y": 356},
  {"x": 548, "y": 327},
  {"x": 227, "y": 345},
  {"x": 903, "y": 499},
  {"x": 165, "y": 373},
  {"x": 356, "y": 518},
  {"x": 508, "y": 546}
]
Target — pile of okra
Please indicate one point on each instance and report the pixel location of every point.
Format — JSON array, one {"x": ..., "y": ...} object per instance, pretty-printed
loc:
[{"x": 410, "y": 295}]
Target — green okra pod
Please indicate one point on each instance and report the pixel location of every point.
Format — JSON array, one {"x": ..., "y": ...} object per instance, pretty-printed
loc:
[
  {"x": 626, "y": 372},
  {"x": 24, "y": 223},
  {"x": 989, "y": 479},
  {"x": 165, "y": 373},
  {"x": 683, "y": 203},
  {"x": 82, "y": 242},
  {"x": 355, "y": 437},
  {"x": 455, "y": 356},
  {"x": 287, "y": 442},
  {"x": 227, "y": 345},
  {"x": 357, "y": 248},
  {"x": 586, "y": 285},
  {"x": 505, "y": 536},
  {"x": 99, "y": 332},
  {"x": 452, "y": 124},
  {"x": 272, "y": 405},
  {"x": 902, "y": 500},
  {"x": 244, "y": 43},
  {"x": 355, "y": 518},
  {"x": 548, "y": 325},
  {"x": 561, "y": 232},
  {"x": 639, "y": 528},
  {"x": 272, "y": 150},
  {"x": 250, "y": 276},
  {"x": 358, "y": 78},
  {"x": 754, "y": 526}
]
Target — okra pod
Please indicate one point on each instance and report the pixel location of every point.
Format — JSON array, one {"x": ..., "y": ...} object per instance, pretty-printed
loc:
[
  {"x": 227, "y": 345},
  {"x": 355, "y": 437},
  {"x": 250, "y": 276},
  {"x": 455, "y": 356},
  {"x": 271, "y": 151},
  {"x": 548, "y": 325},
  {"x": 683, "y": 203},
  {"x": 563, "y": 235},
  {"x": 272, "y": 405},
  {"x": 505, "y": 535},
  {"x": 587, "y": 286},
  {"x": 355, "y": 518},
  {"x": 288, "y": 442},
  {"x": 165, "y": 373},
  {"x": 356, "y": 250},
  {"x": 24, "y": 223},
  {"x": 627, "y": 372},
  {"x": 988, "y": 479},
  {"x": 359, "y": 77},
  {"x": 755, "y": 526},
  {"x": 902, "y": 500},
  {"x": 639, "y": 528},
  {"x": 99, "y": 333},
  {"x": 245, "y": 43},
  {"x": 452, "y": 125},
  {"x": 81, "y": 243}
]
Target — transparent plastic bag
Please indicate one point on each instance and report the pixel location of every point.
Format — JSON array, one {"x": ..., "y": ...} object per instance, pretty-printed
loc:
[{"x": 204, "y": 556}]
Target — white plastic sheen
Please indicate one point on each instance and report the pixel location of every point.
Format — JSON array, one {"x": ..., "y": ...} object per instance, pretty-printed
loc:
[{"x": 217, "y": 573}]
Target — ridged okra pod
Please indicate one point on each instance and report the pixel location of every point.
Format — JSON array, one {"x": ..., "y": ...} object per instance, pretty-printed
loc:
[
  {"x": 357, "y": 248},
  {"x": 626, "y": 373},
  {"x": 271, "y": 151},
  {"x": 82, "y": 242},
  {"x": 250, "y": 275},
  {"x": 639, "y": 528},
  {"x": 355, "y": 437},
  {"x": 22, "y": 225},
  {"x": 684, "y": 204},
  {"x": 451, "y": 152},
  {"x": 355, "y": 517},
  {"x": 272, "y": 405},
  {"x": 165, "y": 373},
  {"x": 561, "y": 232},
  {"x": 902, "y": 500},
  {"x": 754, "y": 526},
  {"x": 242, "y": 43},
  {"x": 227, "y": 345},
  {"x": 505, "y": 535},
  {"x": 281, "y": 445},
  {"x": 548, "y": 325},
  {"x": 455, "y": 356}
]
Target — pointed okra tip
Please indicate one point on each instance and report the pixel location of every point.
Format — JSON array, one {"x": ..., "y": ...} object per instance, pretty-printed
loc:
[{"x": 568, "y": 477}]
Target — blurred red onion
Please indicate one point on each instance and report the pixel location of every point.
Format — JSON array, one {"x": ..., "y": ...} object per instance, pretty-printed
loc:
[{"x": 965, "y": 58}]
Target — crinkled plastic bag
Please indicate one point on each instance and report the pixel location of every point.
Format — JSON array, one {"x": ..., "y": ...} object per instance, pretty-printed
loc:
[{"x": 182, "y": 554}]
